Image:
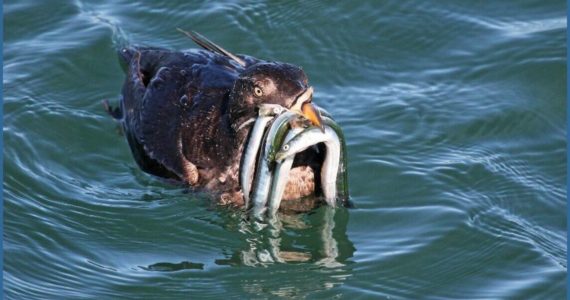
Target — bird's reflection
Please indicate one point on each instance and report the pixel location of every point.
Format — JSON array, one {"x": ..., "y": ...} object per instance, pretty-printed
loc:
[
  {"x": 305, "y": 253},
  {"x": 319, "y": 238}
]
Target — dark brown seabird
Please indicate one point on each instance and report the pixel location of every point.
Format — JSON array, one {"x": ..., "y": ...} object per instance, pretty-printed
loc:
[{"x": 187, "y": 116}]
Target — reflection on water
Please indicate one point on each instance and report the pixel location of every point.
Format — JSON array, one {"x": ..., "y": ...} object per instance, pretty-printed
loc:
[
  {"x": 277, "y": 241},
  {"x": 272, "y": 242},
  {"x": 317, "y": 241},
  {"x": 170, "y": 267}
]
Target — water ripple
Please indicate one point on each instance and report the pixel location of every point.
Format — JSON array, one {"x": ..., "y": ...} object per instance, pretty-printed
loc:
[{"x": 455, "y": 118}]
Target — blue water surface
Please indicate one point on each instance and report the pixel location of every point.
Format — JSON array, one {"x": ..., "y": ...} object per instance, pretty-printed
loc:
[{"x": 455, "y": 118}]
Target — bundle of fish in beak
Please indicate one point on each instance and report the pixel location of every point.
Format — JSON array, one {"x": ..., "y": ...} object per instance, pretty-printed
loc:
[
  {"x": 287, "y": 136},
  {"x": 243, "y": 129}
]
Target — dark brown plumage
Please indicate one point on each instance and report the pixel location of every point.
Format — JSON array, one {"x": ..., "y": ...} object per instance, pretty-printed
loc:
[{"x": 182, "y": 114}]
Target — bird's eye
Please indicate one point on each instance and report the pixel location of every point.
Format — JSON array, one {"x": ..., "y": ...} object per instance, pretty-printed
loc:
[{"x": 258, "y": 91}]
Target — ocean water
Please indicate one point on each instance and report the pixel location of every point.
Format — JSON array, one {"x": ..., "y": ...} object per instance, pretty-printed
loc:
[{"x": 455, "y": 117}]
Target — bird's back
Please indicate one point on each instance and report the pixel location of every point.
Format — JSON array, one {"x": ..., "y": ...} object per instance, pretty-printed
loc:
[{"x": 174, "y": 109}]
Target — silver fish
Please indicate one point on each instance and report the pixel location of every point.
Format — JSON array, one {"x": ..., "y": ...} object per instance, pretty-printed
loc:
[
  {"x": 312, "y": 136},
  {"x": 280, "y": 176},
  {"x": 264, "y": 176},
  {"x": 342, "y": 177},
  {"x": 324, "y": 112},
  {"x": 266, "y": 113}
]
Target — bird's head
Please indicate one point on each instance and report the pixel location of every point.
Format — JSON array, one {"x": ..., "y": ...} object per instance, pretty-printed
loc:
[{"x": 277, "y": 83}]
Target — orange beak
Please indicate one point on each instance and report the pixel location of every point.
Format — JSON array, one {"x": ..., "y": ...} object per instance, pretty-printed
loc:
[{"x": 312, "y": 114}]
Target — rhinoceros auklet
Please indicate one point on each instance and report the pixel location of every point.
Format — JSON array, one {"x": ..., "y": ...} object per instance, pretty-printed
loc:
[{"x": 187, "y": 114}]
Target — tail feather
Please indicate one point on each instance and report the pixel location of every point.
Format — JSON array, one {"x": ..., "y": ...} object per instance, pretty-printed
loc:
[
  {"x": 116, "y": 112},
  {"x": 209, "y": 45}
]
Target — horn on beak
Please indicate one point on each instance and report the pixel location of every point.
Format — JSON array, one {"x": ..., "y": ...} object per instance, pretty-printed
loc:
[{"x": 305, "y": 108}]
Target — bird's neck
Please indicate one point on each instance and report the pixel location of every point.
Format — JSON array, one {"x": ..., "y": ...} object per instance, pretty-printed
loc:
[
  {"x": 240, "y": 115},
  {"x": 240, "y": 120}
]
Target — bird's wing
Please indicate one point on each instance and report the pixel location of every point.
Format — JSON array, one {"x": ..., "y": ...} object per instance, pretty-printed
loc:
[
  {"x": 176, "y": 100},
  {"x": 162, "y": 110}
]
